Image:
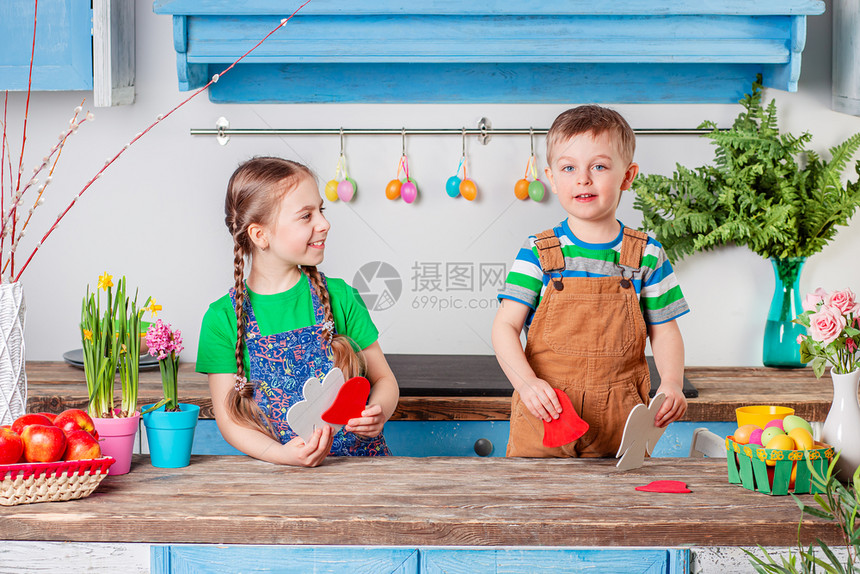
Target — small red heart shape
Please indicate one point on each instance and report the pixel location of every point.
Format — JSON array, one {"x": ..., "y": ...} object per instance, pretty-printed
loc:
[
  {"x": 672, "y": 486},
  {"x": 567, "y": 427},
  {"x": 349, "y": 402}
]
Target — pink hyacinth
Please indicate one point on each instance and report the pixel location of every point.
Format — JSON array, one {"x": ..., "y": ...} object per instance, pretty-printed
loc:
[{"x": 162, "y": 341}]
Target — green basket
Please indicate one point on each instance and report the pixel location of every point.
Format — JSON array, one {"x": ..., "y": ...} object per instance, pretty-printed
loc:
[{"x": 748, "y": 467}]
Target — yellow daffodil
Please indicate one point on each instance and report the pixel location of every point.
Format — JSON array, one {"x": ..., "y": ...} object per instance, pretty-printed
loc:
[
  {"x": 122, "y": 348},
  {"x": 88, "y": 335},
  {"x": 105, "y": 281},
  {"x": 154, "y": 308}
]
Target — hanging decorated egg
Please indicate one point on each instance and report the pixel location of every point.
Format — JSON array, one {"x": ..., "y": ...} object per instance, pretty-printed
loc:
[
  {"x": 331, "y": 190},
  {"x": 468, "y": 189},
  {"x": 521, "y": 189},
  {"x": 536, "y": 190},
  {"x": 452, "y": 186},
  {"x": 392, "y": 190},
  {"x": 409, "y": 191},
  {"x": 346, "y": 189}
]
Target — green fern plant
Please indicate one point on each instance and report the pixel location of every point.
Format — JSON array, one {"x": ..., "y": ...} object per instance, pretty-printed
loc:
[{"x": 764, "y": 190}]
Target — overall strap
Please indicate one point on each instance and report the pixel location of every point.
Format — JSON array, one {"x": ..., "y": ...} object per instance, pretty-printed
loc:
[
  {"x": 251, "y": 326},
  {"x": 632, "y": 248},
  {"x": 549, "y": 252}
]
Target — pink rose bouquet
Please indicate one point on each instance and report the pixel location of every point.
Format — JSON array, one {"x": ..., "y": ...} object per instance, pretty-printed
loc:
[
  {"x": 832, "y": 322},
  {"x": 166, "y": 344}
]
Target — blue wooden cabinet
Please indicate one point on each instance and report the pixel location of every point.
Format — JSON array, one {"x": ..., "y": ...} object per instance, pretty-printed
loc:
[
  {"x": 203, "y": 559},
  {"x": 507, "y": 51},
  {"x": 63, "y": 57},
  {"x": 464, "y": 438}
]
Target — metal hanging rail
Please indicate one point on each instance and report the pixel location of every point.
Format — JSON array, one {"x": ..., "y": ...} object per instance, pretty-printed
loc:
[{"x": 484, "y": 131}]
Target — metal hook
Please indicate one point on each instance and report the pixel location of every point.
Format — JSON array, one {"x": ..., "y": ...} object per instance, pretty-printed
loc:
[
  {"x": 403, "y": 142},
  {"x": 341, "y": 141},
  {"x": 464, "y": 141},
  {"x": 532, "y": 140}
]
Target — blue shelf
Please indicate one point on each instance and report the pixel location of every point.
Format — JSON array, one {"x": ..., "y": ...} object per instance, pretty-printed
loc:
[{"x": 443, "y": 51}]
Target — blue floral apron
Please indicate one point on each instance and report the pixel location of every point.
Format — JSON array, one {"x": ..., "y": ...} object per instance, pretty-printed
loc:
[{"x": 280, "y": 365}]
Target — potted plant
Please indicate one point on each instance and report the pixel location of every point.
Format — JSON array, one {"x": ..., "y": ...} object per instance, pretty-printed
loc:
[
  {"x": 169, "y": 424},
  {"x": 111, "y": 341},
  {"x": 832, "y": 322},
  {"x": 765, "y": 190}
]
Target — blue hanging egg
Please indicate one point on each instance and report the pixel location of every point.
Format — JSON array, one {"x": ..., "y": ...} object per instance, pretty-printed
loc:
[{"x": 452, "y": 186}]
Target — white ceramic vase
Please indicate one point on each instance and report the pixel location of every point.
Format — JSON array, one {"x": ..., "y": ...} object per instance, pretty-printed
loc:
[
  {"x": 13, "y": 379},
  {"x": 842, "y": 427}
]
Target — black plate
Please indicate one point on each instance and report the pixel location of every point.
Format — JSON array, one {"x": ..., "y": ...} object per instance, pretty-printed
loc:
[{"x": 75, "y": 358}]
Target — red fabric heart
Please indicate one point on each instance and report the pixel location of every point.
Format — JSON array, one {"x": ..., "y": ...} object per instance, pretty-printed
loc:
[
  {"x": 567, "y": 427},
  {"x": 349, "y": 402},
  {"x": 673, "y": 486}
]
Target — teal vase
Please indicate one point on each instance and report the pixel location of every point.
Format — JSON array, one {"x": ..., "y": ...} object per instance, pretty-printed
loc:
[
  {"x": 170, "y": 434},
  {"x": 780, "y": 333}
]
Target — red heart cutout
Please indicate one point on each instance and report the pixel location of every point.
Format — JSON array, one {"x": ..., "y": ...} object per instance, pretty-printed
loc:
[
  {"x": 349, "y": 402},
  {"x": 673, "y": 486},
  {"x": 567, "y": 427}
]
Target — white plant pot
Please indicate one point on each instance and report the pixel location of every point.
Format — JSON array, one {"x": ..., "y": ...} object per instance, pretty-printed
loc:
[
  {"x": 13, "y": 379},
  {"x": 841, "y": 429}
]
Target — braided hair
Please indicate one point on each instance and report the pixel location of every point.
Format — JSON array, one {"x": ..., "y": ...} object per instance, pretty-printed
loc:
[{"x": 253, "y": 194}]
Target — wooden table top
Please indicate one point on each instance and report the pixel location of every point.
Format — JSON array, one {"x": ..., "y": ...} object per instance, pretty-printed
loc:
[
  {"x": 55, "y": 386},
  {"x": 419, "y": 501}
]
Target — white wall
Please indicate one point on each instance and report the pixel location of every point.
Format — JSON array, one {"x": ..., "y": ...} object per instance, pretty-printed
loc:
[{"x": 156, "y": 215}]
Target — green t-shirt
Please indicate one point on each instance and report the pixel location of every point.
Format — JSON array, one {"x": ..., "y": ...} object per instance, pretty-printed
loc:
[{"x": 287, "y": 311}]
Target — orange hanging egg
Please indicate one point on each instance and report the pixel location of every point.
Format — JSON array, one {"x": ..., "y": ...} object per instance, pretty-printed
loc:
[
  {"x": 331, "y": 190},
  {"x": 521, "y": 189},
  {"x": 468, "y": 189},
  {"x": 392, "y": 190}
]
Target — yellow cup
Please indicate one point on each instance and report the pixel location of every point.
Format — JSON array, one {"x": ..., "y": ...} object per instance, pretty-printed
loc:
[{"x": 760, "y": 415}]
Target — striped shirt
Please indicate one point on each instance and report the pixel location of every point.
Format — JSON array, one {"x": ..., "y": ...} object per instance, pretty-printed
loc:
[{"x": 660, "y": 295}]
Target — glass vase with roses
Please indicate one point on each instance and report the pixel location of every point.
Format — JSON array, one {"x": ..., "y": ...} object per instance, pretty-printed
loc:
[{"x": 832, "y": 322}]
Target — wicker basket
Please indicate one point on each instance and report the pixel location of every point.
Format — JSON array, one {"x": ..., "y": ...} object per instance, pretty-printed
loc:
[{"x": 28, "y": 482}]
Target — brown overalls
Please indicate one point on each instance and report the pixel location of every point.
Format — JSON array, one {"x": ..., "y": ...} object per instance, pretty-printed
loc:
[{"x": 587, "y": 338}]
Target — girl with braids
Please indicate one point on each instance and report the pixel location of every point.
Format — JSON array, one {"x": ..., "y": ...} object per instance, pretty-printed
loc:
[{"x": 286, "y": 323}]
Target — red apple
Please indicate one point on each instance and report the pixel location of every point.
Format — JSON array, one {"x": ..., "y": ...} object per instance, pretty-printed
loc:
[
  {"x": 11, "y": 446},
  {"x": 30, "y": 419},
  {"x": 81, "y": 445},
  {"x": 74, "y": 419},
  {"x": 51, "y": 416},
  {"x": 43, "y": 443}
]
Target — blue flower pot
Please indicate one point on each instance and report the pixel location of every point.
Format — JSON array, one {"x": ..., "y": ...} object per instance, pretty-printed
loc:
[{"x": 170, "y": 435}]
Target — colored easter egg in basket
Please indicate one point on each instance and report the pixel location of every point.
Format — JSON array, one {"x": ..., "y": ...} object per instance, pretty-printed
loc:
[
  {"x": 392, "y": 190},
  {"x": 409, "y": 191},
  {"x": 743, "y": 433},
  {"x": 468, "y": 189},
  {"x": 802, "y": 438},
  {"x": 769, "y": 433},
  {"x": 521, "y": 189},
  {"x": 792, "y": 422},
  {"x": 537, "y": 190},
  {"x": 331, "y": 190},
  {"x": 346, "y": 189},
  {"x": 755, "y": 437},
  {"x": 775, "y": 423},
  {"x": 452, "y": 186}
]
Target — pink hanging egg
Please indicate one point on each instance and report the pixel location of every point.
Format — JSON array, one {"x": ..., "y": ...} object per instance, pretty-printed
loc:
[
  {"x": 452, "y": 186},
  {"x": 409, "y": 191},
  {"x": 331, "y": 190},
  {"x": 346, "y": 189},
  {"x": 392, "y": 190},
  {"x": 537, "y": 190},
  {"x": 468, "y": 189}
]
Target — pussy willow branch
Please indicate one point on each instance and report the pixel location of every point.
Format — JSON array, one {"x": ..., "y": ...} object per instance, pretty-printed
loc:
[{"x": 158, "y": 120}]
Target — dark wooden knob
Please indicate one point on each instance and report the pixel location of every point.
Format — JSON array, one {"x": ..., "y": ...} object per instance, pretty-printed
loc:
[{"x": 483, "y": 447}]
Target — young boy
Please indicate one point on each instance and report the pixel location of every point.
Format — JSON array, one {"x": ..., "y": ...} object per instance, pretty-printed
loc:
[{"x": 588, "y": 292}]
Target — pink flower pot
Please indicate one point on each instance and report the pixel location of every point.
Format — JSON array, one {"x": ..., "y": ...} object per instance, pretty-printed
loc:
[{"x": 116, "y": 437}]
